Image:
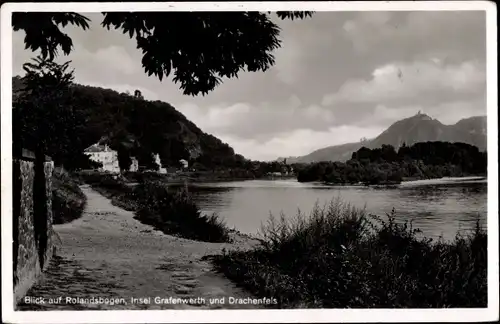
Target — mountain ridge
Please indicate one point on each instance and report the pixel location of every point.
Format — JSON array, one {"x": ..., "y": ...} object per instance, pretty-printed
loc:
[
  {"x": 417, "y": 128},
  {"x": 143, "y": 126}
]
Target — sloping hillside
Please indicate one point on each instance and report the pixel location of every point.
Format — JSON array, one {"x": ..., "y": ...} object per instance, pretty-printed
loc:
[
  {"x": 422, "y": 128},
  {"x": 142, "y": 126},
  {"x": 418, "y": 128}
]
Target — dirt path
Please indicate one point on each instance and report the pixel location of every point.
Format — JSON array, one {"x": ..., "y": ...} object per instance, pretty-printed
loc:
[{"x": 107, "y": 253}]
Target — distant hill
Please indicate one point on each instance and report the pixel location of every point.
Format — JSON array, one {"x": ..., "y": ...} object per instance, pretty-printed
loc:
[
  {"x": 418, "y": 128},
  {"x": 142, "y": 126}
]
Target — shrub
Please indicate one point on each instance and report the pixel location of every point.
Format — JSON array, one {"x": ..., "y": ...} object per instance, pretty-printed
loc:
[
  {"x": 111, "y": 186},
  {"x": 343, "y": 257},
  {"x": 176, "y": 213},
  {"x": 169, "y": 210},
  {"x": 68, "y": 201}
]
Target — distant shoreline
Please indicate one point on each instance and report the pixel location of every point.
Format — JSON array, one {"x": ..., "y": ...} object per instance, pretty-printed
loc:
[
  {"x": 409, "y": 181},
  {"x": 182, "y": 179},
  {"x": 204, "y": 179}
]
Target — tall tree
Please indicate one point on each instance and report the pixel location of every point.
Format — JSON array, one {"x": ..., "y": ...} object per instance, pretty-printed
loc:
[
  {"x": 124, "y": 158},
  {"x": 44, "y": 122},
  {"x": 44, "y": 116},
  {"x": 198, "y": 48},
  {"x": 39, "y": 121}
]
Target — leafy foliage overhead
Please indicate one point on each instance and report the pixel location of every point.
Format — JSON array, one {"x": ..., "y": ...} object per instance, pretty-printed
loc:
[
  {"x": 198, "y": 48},
  {"x": 44, "y": 117},
  {"x": 43, "y": 33}
]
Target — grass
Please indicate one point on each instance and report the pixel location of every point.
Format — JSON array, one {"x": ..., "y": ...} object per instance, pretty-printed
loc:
[
  {"x": 68, "y": 201},
  {"x": 175, "y": 212},
  {"x": 342, "y": 257},
  {"x": 113, "y": 187},
  {"x": 171, "y": 211}
]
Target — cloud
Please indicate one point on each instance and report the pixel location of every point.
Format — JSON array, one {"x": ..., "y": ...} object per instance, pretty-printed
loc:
[
  {"x": 121, "y": 88},
  {"x": 421, "y": 30},
  {"x": 362, "y": 69},
  {"x": 113, "y": 57},
  {"x": 110, "y": 64},
  {"x": 448, "y": 112},
  {"x": 367, "y": 29},
  {"x": 303, "y": 42},
  {"x": 288, "y": 57},
  {"x": 408, "y": 80},
  {"x": 298, "y": 142},
  {"x": 111, "y": 61},
  {"x": 259, "y": 120}
]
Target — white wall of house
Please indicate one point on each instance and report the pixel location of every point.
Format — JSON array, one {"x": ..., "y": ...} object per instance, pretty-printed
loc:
[
  {"x": 158, "y": 162},
  {"x": 134, "y": 167},
  {"x": 108, "y": 158},
  {"x": 184, "y": 163}
]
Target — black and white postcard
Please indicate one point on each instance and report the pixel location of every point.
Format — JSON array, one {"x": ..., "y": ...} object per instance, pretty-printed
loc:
[{"x": 211, "y": 162}]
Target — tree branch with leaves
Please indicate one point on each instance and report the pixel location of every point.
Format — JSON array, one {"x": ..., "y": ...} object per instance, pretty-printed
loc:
[
  {"x": 197, "y": 49},
  {"x": 44, "y": 117}
]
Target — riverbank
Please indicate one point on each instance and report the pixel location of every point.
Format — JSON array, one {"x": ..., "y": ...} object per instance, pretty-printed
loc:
[
  {"x": 109, "y": 254},
  {"x": 179, "y": 179},
  {"x": 412, "y": 181},
  {"x": 424, "y": 160},
  {"x": 171, "y": 211},
  {"x": 183, "y": 177},
  {"x": 444, "y": 180},
  {"x": 331, "y": 258},
  {"x": 381, "y": 184},
  {"x": 439, "y": 209},
  {"x": 342, "y": 257}
]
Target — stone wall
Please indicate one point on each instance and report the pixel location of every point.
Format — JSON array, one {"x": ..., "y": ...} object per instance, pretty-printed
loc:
[{"x": 32, "y": 220}]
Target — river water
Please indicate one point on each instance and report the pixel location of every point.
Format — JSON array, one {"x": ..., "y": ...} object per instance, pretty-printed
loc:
[{"x": 437, "y": 207}]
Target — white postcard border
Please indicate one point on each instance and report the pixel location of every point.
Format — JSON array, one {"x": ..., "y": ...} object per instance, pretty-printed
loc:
[{"x": 251, "y": 316}]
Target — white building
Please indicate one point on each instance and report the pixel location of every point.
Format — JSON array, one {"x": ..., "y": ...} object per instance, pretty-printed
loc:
[
  {"x": 103, "y": 154},
  {"x": 158, "y": 162},
  {"x": 184, "y": 163},
  {"x": 134, "y": 167},
  {"x": 108, "y": 157}
]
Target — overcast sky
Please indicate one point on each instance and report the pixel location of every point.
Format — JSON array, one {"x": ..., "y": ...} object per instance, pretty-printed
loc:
[{"x": 339, "y": 76}]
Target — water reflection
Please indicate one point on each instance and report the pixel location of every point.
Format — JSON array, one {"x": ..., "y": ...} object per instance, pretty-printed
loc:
[{"x": 437, "y": 208}]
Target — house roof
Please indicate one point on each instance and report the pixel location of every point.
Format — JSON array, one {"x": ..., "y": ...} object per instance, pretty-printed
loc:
[{"x": 95, "y": 148}]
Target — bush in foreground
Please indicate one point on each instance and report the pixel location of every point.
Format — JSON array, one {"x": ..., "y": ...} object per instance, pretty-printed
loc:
[
  {"x": 111, "y": 186},
  {"x": 171, "y": 211},
  {"x": 174, "y": 212},
  {"x": 341, "y": 257},
  {"x": 68, "y": 201}
]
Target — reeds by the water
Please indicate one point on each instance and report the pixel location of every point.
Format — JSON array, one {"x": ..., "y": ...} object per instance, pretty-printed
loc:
[
  {"x": 341, "y": 256},
  {"x": 175, "y": 212},
  {"x": 171, "y": 211}
]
